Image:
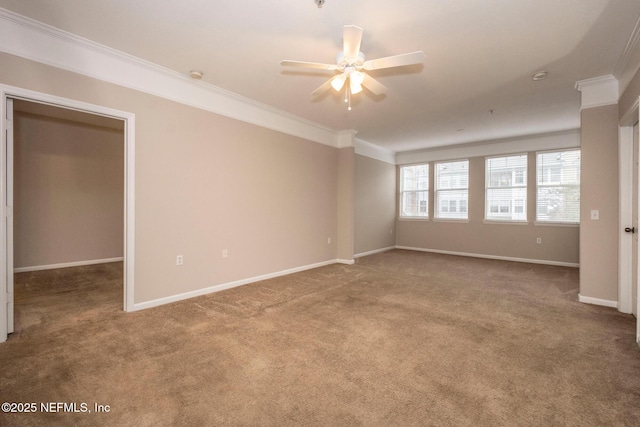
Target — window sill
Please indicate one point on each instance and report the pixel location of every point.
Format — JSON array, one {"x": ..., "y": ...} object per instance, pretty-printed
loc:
[
  {"x": 413, "y": 218},
  {"x": 557, "y": 224},
  {"x": 460, "y": 220},
  {"x": 506, "y": 222}
]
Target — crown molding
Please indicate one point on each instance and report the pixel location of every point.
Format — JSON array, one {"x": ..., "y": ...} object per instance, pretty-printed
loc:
[
  {"x": 598, "y": 91},
  {"x": 36, "y": 41},
  {"x": 373, "y": 151},
  {"x": 546, "y": 141},
  {"x": 629, "y": 62},
  {"x": 346, "y": 138}
]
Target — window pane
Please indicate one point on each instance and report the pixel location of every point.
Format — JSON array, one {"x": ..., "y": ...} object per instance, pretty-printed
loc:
[
  {"x": 414, "y": 204},
  {"x": 506, "y": 188},
  {"x": 414, "y": 194},
  {"x": 558, "y": 191},
  {"x": 452, "y": 194},
  {"x": 450, "y": 204},
  {"x": 414, "y": 177},
  {"x": 559, "y": 204},
  {"x": 452, "y": 175}
]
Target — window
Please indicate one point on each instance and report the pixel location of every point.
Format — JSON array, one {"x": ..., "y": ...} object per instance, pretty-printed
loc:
[
  {"x": 558, "y": 190},
  {"x": 506, "y": 188},
  {"x": 414, "y": 191},
  {"x": 452, "y": 189}
]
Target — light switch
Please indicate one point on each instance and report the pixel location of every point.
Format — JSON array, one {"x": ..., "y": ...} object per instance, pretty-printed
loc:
[{"x": 595, "y": 215}]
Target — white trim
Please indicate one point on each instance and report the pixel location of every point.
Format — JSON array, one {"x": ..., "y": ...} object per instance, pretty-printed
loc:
[
  {"x": 504, "y": 222},
  {"x": 229, "y": 285},
  {"x": 598, "y": 91},
  {"x": 540, "y": 142},
  {"x": 345, "y": 261},
  {"x": 556, "y": 224},
  {"x": 67, "y": 264},
  {"x": 629, "y": 62},
  {"x": 376, "y": 251},
  {"x": 33, "y": 40},
  {"x": 625, "y": 240},
  {"x": 368, "y": 149},
  {"x": 345, "y": 138},
  {"x": 129, "y": 209},
  {"x": 598, "y": 301},
  {"x": 497, "y": 257}
]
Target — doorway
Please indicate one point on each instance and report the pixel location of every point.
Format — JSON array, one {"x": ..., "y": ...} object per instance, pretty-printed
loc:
[
  {"x": 629, "y": 203},
  {"x": 634, "y": 210},
  {"x": 67, "y": 107}
]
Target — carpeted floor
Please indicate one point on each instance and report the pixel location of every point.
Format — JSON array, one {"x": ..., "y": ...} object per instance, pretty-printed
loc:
[{"x": 400, "y": 338}]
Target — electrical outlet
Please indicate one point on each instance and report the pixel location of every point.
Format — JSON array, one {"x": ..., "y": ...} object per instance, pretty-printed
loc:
[
  {"x": 179, "y": 260},
  {"x": 225, "y": 253},
  {"x": 539, "y": 240},
  {"x": 328, "y": 240}
]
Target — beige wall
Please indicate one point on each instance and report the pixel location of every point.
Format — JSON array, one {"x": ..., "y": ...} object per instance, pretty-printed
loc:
[
  {"x": 204, "y": 183},
  {"x": 68, "y": 191},
  {"x": 599, "y": 191},
  {"x": 375, "y": 205},
  {"x": 346, "y": 195},
  {"x": 560, "y": 244}
]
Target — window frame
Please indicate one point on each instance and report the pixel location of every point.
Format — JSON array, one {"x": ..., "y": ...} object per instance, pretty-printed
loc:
[
  {"x": 516, "y": 201},
  {"x": 560, "y": 173},
  {"x": 419, "y": 201},
  {"x": 438, "y": 191}
]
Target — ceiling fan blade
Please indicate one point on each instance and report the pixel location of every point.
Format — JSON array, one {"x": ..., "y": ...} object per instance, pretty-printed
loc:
[
  {"x": 315, "y": 65},
  {"x": 351, "y": 38},
  {"x": 394, "y": 61},
  {"x": 323, "y": 88},
  {"x": 373, "y": 85}
]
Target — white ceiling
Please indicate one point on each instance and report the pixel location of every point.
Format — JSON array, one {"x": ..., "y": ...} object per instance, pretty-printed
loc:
[{"x": 480, "y": 56}]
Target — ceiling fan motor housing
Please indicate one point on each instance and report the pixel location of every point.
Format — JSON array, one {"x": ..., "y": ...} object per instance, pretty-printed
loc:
[{"x": 344, "y": 63}]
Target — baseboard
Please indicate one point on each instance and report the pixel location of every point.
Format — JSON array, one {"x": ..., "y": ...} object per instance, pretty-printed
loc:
[
  {"x": 67, "y": 264},
  {"x": 598, "y": 301},
  {"x": 376, "y": 251},
  {"x": 497, "y": 257},
  {"x": 345, "y": 261},
  {"x": 229, "y": 285}
]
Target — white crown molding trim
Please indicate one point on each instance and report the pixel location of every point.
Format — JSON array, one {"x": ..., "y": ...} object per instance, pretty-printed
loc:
[
  {"x": 368, "y": 149},
  {"x": 346, "y": 138},
  {"x": 229, "y": 285},
  {"x": 540, "y": 142},
  {"x": 497, "y": 257},
  {"x": 43, "y": 43},
  {"x": 598, "y": 91},
  {"x": 629, "y": 62}
]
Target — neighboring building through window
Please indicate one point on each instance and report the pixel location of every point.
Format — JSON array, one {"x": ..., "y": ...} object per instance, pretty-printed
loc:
[
  {"x": 558, "y": 189},
  {"x": 452, "y": 189},
  {"x": 414, "y": 191},
  {"x": 506, "y": 188}
]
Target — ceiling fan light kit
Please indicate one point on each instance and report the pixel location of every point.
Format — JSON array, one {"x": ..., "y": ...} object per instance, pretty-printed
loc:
[{"x": 351, "y": 65}]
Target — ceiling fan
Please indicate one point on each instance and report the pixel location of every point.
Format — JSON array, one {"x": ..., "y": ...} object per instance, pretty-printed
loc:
[{"x": 351, "y": 65}]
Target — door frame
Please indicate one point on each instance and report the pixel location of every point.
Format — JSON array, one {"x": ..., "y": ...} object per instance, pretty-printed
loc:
[
  {"x": 129, "y": 187},
  {"x": 625, "y": 159}
]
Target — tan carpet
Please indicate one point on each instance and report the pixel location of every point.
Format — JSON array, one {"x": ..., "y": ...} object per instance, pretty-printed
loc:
[{"x": 400, "y": 338}]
